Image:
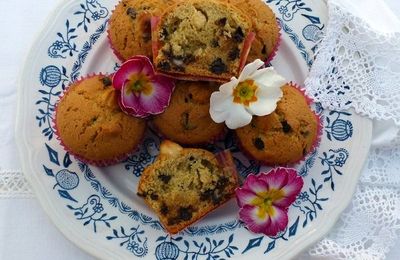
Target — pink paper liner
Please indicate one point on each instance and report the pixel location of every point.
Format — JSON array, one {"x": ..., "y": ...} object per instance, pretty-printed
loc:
[
  {"x": 276, "y": 47},
  {"x": 314, "y": 145},
  {"x": 99, "y": 163}
]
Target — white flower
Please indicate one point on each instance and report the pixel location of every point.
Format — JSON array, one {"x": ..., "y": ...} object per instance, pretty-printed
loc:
[{"x": 256, "y": 92}]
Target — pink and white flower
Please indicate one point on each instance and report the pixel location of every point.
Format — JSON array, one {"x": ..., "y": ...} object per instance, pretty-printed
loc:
[
  {"x": 143, "y": 92},
  {"x": 264, "y": 200}
]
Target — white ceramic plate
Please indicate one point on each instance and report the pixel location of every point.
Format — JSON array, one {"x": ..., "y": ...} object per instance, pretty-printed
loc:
[{"x": 97, "y": 208}]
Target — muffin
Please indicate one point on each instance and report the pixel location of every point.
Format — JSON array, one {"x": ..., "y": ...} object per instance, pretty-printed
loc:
[
  {"x": 184, "y": 184},
  {"x": 284, "y": 136},
  {"x": 129, "y": 29},
  {"x": 187, "y": 119},
  {"x": 201, "y": 40},
  {"x": 264, "y": 26},
  {"x": 91, "y": 125}
]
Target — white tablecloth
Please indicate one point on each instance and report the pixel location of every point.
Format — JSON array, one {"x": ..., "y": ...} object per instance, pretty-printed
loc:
[{"x": 25, "y": 231}]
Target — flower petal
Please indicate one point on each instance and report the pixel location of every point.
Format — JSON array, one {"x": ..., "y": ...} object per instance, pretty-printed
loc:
[
  {"x": 249, "y": 69},
  {"x": 227, "y": 88},
  {"x": 269, "y": 225},
  {"x": 276, "y": 179},
  {"x": 158, "y": 100},
  {"x": 129, "y": 100},
  {"x": 128, "y": 68},
  {"x": 268, "y": 77},
  {"x": 250, "y": 216},
  {"x": 245, "y": 196},
  {"x": 291, "y": 189},
  {"x": 278, "y": 222},
  {"x": 268, "y": 97},
  {"x": 255, "y": 184},
  {"x": 223, "y": 109}
]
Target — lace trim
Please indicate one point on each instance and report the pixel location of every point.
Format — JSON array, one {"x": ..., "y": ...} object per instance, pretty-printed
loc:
[
  {"x": 14, "y": 185},
  {"x": 358, "y": 67}
]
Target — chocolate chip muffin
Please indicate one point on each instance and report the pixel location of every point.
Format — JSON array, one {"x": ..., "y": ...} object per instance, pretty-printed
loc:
[
  {"x": 129, "y": 29},
  {"x": 183, "y": 185},
  {"x": 286, "y": 135},
  {"x": 91, "y": 125},
  {"x": 187, "y": 119},
  {"x": 201, "y": 40},
  {"x": 264, "y": 26}
]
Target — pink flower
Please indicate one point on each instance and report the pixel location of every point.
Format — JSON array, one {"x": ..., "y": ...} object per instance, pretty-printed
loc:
[
  {"x": 143, "y": 92},
  {"x": 264, "y": 200}
]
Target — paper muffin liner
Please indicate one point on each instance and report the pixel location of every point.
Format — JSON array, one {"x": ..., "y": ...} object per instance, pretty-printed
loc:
[
  {"x": 276, "y": 47},
  {"x": 314, "y": 145},
  {"x": 99, "y": 163}
]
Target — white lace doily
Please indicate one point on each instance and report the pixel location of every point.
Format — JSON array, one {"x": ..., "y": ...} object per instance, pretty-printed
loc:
[
  {"x": 14, "y": 185},
  {"x": 357, "y": 66}
]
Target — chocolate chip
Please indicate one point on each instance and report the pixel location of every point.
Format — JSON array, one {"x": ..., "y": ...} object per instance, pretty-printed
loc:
[
  {"x": 264, "y": 50},
  {"x": 191, "y": 158},
  {"x": 154, "y": 196},
  {"x": 131, "y": 12},
  {"x": 222, "y": 182},
  {"x": 179, "y": 68},
  {"x": 143, "y": 195},
  {"x": 164, "y": 34},
  {"x": 168, "y": 54},
  {"x": 164, "y": 178},
  {"x": 185, "y": 122},
  {"x": 188, "y": 58},
  {"x": 234, "y": 54},
  {"x": 304, "y": 133},
  {"x": 286, "y": 127},
  {"x": 206, "y": 195},
  {"x": 214, "y": 43},
  {"x": 188, "y": 98},
  {"x": 185, "y": 213},
  {"x": 218, "y": 66},
  {"x": 106, "y": 81},
  {"x": 258, "y": 143},
  {"x": 221, "y": 22},
  {"x": 164, "y": 65},
  {"x": 207, "y": 164},
  {"x": 164, "y": 209},
  {"x": 238, "y": 35}
]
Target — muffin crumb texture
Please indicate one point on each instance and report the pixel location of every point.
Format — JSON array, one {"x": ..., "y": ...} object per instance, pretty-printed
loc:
[
  {"x": 201, "y": 38},
  {"x": 184, "y": 184},
  {"x": 187, "y": 119},
  {"x": 91, "y": 124},
  {"x": 284, "y": 136}
]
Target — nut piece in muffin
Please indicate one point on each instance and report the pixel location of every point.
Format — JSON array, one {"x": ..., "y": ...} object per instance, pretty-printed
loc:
[
  {"x": 201, "y": 40},
  {"x": 129, "y": 28},
  {"x": 284, "y": 136},
  {"x": 184, "y": 184},
  {"x": 187, "y": 119},
  {"x": 91, "y": 125}
]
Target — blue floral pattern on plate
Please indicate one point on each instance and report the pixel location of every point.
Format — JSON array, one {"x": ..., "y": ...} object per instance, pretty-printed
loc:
[{"x": 103, "y": 202}]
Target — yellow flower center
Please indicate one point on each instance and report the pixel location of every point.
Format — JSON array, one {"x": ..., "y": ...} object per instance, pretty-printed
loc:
[
  {"x": 139, "y": 83},
  {"x": 264, "y": 202},
  {"x": 245, "y": 92}
]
